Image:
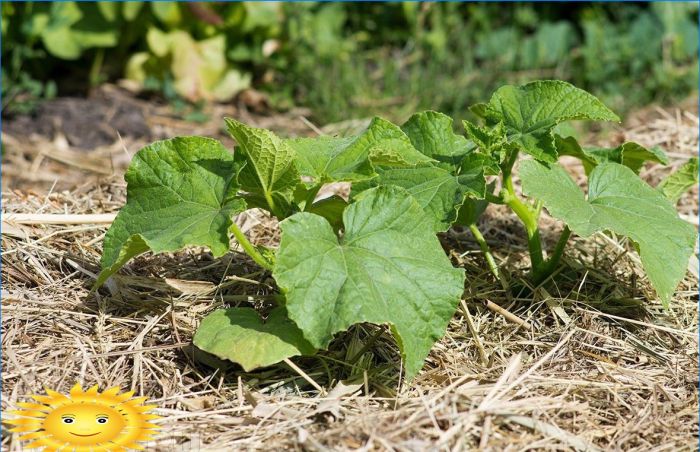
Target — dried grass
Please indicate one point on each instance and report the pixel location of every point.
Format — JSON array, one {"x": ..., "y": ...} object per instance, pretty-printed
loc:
[{"x": 602, "y": 368}]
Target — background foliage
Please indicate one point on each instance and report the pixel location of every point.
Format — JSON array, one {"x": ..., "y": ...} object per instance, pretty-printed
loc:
[{"x": 346, "y": 59}]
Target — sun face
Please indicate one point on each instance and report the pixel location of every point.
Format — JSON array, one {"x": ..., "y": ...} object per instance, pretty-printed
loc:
[
  {"x": 84, "y": 424},
  {"x": 85, "y": 421}
]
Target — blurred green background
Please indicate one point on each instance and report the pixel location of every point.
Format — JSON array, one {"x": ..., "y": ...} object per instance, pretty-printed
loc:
[{"x": 348, "y": 60}]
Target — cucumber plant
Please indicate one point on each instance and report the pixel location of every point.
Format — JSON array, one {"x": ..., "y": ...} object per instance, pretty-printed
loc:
[{"x": 377, "y": 258}]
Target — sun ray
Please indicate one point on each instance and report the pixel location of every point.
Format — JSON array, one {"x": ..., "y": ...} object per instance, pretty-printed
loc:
[
  {"x": 33, "y": 406},
  {"x": 29, "y": 413}
]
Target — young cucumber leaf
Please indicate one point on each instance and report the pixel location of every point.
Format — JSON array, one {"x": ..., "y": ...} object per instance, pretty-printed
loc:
[
  {"x": 630, "y": 154},
  {"x": 352, "y": 159},
  {"x": 432, "y": 134},
  {"x": 269, "y": 174},
  {"x": 619, "y": 201},
  {"x": 180, "y": 192},
  {"x": 388, "y": 267},
  {"x": 680, "y": 181},
  {"x": 241, "y": 336},
  {"x": 492, "y": 142},
  {"x": 437, "y": 191},
  {"x": 530, "y": 112},
  {"x": 441, "y": 189}
]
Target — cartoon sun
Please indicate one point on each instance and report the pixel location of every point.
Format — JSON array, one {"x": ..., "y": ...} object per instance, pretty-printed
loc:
[{"x": 85, "y": 421}]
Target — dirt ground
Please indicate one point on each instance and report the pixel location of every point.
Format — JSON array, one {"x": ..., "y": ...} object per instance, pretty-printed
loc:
[{"x": 591, "y": 362}]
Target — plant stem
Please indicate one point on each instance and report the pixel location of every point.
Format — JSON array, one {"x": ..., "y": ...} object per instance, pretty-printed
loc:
[
  {"x": 559, "y": 249},
  {"x": 529, "y": 217},
  {"x": 96, "y": 67},
  {"x": 271, "y": 205},
  {"x": 487, "y": 255},
  {"x": 548, "y": 267},
  {"x": 527, "y": 214},
  {"x": 249, "y": 248}
]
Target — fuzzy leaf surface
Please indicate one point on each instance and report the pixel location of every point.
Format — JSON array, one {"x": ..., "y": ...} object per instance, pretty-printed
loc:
[
  {"x": 180, "y": 192},
  {"x": 241, "y": 336},
  {"x": 352, "y": 159},
  {"x": 438, "y": 192},
  {"x": 619, "y": 201},
  {"x": 388, "y": 268},
  {"x": 270, "y": 172},
  {"x": 530, "y": 112},
  {"x": 432, "y": 134},
  {"x": 680, "y": 181}
]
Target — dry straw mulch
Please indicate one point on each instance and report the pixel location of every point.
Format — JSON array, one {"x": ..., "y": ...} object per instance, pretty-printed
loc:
[{"x": 590, "y": 362}]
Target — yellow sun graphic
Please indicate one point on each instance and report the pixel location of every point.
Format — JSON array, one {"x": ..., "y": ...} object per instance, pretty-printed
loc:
[{"x": 85, "y": 421}]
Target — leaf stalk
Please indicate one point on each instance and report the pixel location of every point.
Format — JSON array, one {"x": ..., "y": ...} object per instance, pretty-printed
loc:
[{"x": 249, "y": 248}]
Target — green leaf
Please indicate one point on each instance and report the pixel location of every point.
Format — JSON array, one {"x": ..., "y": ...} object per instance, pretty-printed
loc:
[
  {"x": 471, "y": 209},
  {"x": 241, "y": 336},
  {"x": 437, "y": 191},
  {"x": 389, "y": 146},
  {"x": 619, "y": 201},
  {"x": 630, "y": 154},
  {"x": 569, "y": 146},
  {"x": 167, "y": 12},
  {"x": 680, "y": 181},
  {"x": 131, "y": 9},
  {"x": 388, "y": 268},
  {"x": 492, "y": 143},
  {"x": 108, "y": 10},
  {"x": 180, "y": 192},
  {"x": 529, "y": 112},
  {"x": 331, "y": 209},
  {"x": 432, "y": 134},
  {"x": 270, "y": 172},
  {"x": 327, "y": 159},
  {"x": 352, "y": 159}
]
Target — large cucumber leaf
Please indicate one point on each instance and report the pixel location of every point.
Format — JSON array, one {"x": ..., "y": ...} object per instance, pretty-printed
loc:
[
  {"x": 241, "y": 336},
  {"x": 388, "y": 268},
  {"x": 270, "y": 173},
  {"x": 351, "y": 159},
  {"x": 180, "y": 192},
  {"x": 619, "y": 201},
  {"x": 530, "y": 112},
  {"x": 680, "y": 181}
]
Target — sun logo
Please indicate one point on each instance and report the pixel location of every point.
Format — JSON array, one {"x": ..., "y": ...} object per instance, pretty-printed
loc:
[{"x": 85, "y": 421}]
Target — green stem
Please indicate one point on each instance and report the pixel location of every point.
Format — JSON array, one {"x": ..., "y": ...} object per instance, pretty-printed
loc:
[
  {"x": 249, "y": 248},
  {"x": 272, "y": 206},
  {"x": 527, "y": 214},
  {"x": 548, "y": 267},
  {"x": 561, "y": 244},
  {"x": 96, "y": 67},
  {"x": 486, "y": 250},
  {"x": 529, "y": 217}
]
